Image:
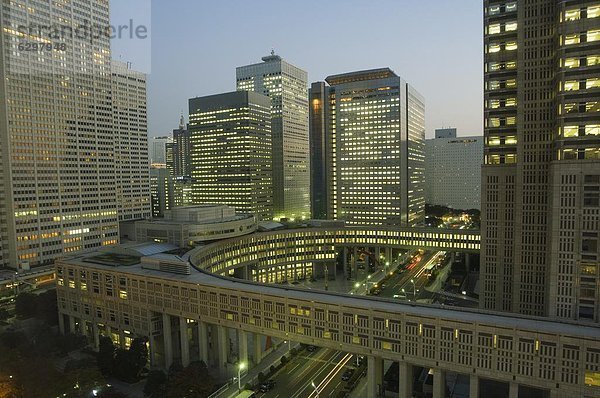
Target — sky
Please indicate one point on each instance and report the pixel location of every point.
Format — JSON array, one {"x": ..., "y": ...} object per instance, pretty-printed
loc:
[{"x": 194, "y": 46}]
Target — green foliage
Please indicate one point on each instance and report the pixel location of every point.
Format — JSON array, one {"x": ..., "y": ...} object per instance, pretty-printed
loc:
[
  {"x": 284, "y": 360},
  {"x": 4, "y": 314},
  {"x": 194, "y": 381},
  {"x": 106, "y": 356},
  {"x": 156, "y": 384},
  {"x": 43, "y": 306},
  {"x": 293, "y": 352}
]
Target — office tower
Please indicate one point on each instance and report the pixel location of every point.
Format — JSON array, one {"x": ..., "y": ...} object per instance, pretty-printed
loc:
[
  {"x": 158, "y": 149},
  {"x": 230, "y": 136},
  {"x": 372, "y": 125},
  {"x": 161, "y": 188},
  {"x": 453, "y": 170},
  {"x": 319, "y": 188},
  {"x": 286, "y": 85},
  {"x": 56, "y": 136},
  {"x": 540, "y": 181},
  {"x": 131, "y": 142},
  {"x": 178, "y": 160}
]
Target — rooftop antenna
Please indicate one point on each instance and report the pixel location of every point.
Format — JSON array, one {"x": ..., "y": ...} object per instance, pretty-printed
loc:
[{"x": 272, "y": 51}]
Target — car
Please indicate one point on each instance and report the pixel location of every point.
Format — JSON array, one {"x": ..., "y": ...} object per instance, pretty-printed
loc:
[
  {"x": 311, "y": 348},
  {"x": 347, "y": 374},
  {"x": 401, "y": 296},
  {"x": 267, "y": 385}
]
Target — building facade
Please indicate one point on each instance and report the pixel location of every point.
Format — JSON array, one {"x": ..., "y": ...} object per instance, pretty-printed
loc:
[
  {"x": 66, "y": 119},
  {"x": 131, "y": 142},
  {"x": 178, "y": 151},
  {"x": 368, "y": 133},
  {"x": 286, "y": 86},
  {"x": 231, "y": 151},
  {"x": 192, "y": 225},
  {"x": 453, "y": 171},
  {"x": 158, "y": 149},
  {"x": 161, "y": 189},
  {"x": 540, "y": 205}
]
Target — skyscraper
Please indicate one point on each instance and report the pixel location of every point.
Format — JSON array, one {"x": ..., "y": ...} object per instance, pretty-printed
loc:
[
  {"x": 541, "y": 178},
  {"x": 158, "y": 149},
  {"x": 367, "y": 137},
  {"x": 286, "y": 85},
  {"x": 231, "y": 151},
  {"x": 59, "y": 181},
  {"x": 179, "y": 160},
  {"x": 131, "y": 142},
  {"x": 453, "y": 170}
]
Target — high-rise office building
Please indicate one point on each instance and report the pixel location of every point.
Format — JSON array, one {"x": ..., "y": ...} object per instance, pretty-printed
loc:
[
  {"x": 453, "y": 170},
  {"x": 231, "y": 151},
  {"x": 58, "y": 142},
  {"x": 161, "y": 188},
  {"x": 367, "y": 138},
  {"x": 541, "y": 178},
  {"x": 178, "y": 151},
  {"x": 286, "y": 85},
  {"x": 131, "y": 142},
  {"x": 158, "y": 149}
]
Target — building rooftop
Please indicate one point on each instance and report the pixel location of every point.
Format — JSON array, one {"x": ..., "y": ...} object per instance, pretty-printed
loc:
[{"x": 363, "y": 75}]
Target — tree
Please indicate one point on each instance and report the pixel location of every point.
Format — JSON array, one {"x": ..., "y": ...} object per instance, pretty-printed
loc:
[
  {"x": 138, "y": 355},
  {"x": 46, "y": 308},
  {"x": 106, "y": 356},
  {"x": 25, "y": 305},
  {"x": 194, "y": 381},
  {"x": 156, "y": 384},
  {"x": 4, "y": 314}
]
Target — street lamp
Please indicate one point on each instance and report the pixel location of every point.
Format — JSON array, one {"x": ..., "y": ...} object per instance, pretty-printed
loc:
[
  {"x": 241, "y": 366},
  {"x": 414, "y": 289},
  {"x": 315, "y": 387}
]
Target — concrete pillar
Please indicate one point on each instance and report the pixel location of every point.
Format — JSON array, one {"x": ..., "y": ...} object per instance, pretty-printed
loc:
[
  {"x": 152, "y": 351},
  {"x": 222, "y": 347},
  {"x": 71, "y": 324},
  {"x": 122, "y": 338},
  {"x": 439, "y": 383},
  {"x": 513, "y": 390},
  {"x": 96, "y": 336},
  {"x": 61, "y": 323},
  {"x": 242, "y": 347},
  {"x": 468, "y": 262},
  {"x": 167, "y": 341},
  {"x": 203, "y": 342},
  {"x": 354, "y": 260},
  {"x": 345, "y": 258},
  {"x": 474, "y": 386},
  {"x": 257, "y": 342},
  {"x": 374, "y": 376},
  {"x": 405, "y": 379},
  {"x": 185, "y": 342}
]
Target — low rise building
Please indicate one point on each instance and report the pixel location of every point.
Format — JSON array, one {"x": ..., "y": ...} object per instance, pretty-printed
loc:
[{"x": 193, "y": 225}]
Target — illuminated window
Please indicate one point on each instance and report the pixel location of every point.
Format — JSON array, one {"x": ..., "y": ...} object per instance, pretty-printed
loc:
[
  {"x": 592, "y": 129},
  {"x": 493, "y": 29},
  {"x": 510, "y": 26},
  {"x": 592, "y": 83},
  {"x": 570, "y": 131},
  {"x": 571, "y": 39},
  {"x": 493, "y": 141},
  {"x": 511, "y": 6},
  {"x": 510, "y": 158},
  {"x": 592, "y": 106},
  {"x": 571, "y": 85},
  {"x": 511, "y": 140},
  {"x": 572, "y": 15},
  {"x": 494, "y": 48},
  {"x": 511, "y": 46},
  {"x": 511, "y": 83},
  {"x": 493, "y": 10},
  {"x": 593, "y": 11},
  {"x": 571, "y": 63},
  {"x": 593, "y": 35},
  {"x": 511, "y": 102}
]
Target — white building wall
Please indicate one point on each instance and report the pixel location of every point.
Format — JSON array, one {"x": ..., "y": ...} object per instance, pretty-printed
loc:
[{"x": 453, "y": 172}]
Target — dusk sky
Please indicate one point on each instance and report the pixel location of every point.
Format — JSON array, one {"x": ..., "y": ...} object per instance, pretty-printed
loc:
[{"x": 435, "y": 45}]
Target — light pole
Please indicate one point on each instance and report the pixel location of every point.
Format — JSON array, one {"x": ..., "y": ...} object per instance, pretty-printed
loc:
[
  {"x": 241, "y": 366},
  {"x": 315, "y": 387},
  {"x": 414, "y": 289}
]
